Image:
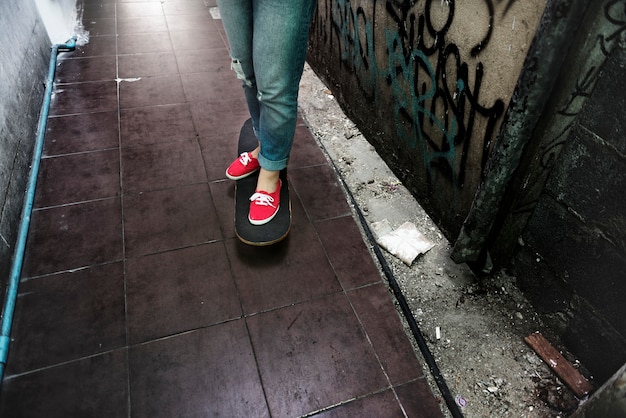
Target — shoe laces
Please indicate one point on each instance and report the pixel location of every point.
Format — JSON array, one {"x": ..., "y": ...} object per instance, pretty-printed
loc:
[
  {"x": 262, "y": 199},
  {"x": 245, "y": 158}
]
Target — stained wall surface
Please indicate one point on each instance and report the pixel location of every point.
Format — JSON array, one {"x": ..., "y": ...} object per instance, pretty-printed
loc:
[
  {"x": 23, "y": 67},
  {"x": 428, "y": 83},
  {"x": 573, "y": 264}
]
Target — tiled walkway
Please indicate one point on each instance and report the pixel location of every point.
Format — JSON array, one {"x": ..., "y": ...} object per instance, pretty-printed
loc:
[{"x": 137, "y": 300}]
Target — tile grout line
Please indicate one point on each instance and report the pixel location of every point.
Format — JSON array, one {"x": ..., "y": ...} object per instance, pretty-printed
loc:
[
  {"x": 377, "y": 355},
  {"x": 346, "y": 293},
  {"x": 121, "y": 185}
]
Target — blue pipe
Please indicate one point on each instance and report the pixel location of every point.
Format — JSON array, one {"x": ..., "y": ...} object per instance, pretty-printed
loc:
[{"x": 27, "y": 208}]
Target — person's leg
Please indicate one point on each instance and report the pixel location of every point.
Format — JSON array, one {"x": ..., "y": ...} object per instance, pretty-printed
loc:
[
  {"x": 279, "y": 50},
  {"x": 237, "y": 17}
]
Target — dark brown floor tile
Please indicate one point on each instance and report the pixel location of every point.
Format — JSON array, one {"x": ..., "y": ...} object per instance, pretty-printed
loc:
[
  {"x": 222, "y": 33},
  {"x": 220, "y": 118},
  {"x": 76, "y": 70},
  {"x": 211, "y": 86},
  {"x": 161, "y": 165},
  {"x": 98, "y": 10},
  {"x": 142, "y": 43},
  {"x": 320, "y": 192},
  {"x": 82, "y": 132},
  {"x": 97, "y": 46},
  {"x": 379, "y": 405},
  {"x": 305, "y": 152},
  {"x": 201, "y": 22},
  {"x": 418, "y": 400},
  {"x": 292, "y": 271},
  {"x": 146, "y": 24},
  {"x": 313, "y": 355},
  {"x": 93, "y": 387},
  {"x": 204, "y": 60},
  {"x": 186, "y": 7},
  {"x": 139, "y": 9},
  {"x": 151, "y": 91},
  {"x": 223, "y": 193},
  {"x": 69, "y": 237},
  {"x": 147, "y": 65},
  {"x": 374, "y": 306},
  {"x": 177, "y": 291},
  {"x": 186, "y": 39},
  {"x": 220, "y": 28},
  {"x": 169, "y": 219},
  {"x": 68, "y": 316},
  {"x": 218, "y": 152},
  {"x": 68, "y": 99},
  {"x": 209, "y": 372},
  {"x": 100, "y": 26},
  {"x": 347, "y": 252},
  {"x": 78, "y": 177},
  {"x": 98, "y": 2},
  {"x": 155, "y": 124}
]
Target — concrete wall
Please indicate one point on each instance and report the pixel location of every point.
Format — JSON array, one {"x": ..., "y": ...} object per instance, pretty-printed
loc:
[
  {"x": 573, "y": 263},
  {"x": 24, "y": 60},
  {"x": 428, "y": 83}
]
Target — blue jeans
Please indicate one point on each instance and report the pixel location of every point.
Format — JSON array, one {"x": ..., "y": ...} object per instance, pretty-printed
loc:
[{"x": 268, "y": 42}]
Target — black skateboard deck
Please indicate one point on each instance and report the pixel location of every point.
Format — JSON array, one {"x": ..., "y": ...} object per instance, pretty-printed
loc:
[{"x": 275, "y": 230}]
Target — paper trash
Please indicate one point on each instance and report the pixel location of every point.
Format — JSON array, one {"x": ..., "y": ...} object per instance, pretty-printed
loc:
[{"x": 405, "y": 242}]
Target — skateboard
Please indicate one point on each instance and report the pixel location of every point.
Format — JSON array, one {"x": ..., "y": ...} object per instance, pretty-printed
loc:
[{"x": 275, "y": 230}]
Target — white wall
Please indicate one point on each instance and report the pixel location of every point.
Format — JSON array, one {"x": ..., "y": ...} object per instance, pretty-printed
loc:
[{"x": 59, "y": 18}]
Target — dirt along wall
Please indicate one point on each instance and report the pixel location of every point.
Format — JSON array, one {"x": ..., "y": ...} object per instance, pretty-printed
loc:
[{"x": 428, "y": 83}]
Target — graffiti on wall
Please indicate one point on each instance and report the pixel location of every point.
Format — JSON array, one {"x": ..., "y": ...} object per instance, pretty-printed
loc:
[
  {"x": 595, "y": 32},
  {"x": 612, "y": 33},
  {"x": 436, "y": 94}
]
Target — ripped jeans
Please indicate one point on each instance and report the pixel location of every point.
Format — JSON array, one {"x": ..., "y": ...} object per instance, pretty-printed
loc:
[{"x": 268, "y": 42}]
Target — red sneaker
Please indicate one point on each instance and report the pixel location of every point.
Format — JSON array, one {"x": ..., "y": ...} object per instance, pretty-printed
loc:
[
  {"x": 264, "y": 206},
  {"x": 242, "y": 167}
]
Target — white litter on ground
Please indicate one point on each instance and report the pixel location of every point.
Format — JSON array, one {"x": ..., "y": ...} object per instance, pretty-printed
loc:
[
  {"x": 406, "y": 242},
  {"x": 215, "y": 13},
  {"x": 130, "y": 80}
]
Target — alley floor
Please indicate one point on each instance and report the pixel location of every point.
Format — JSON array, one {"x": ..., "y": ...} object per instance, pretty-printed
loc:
[{"x": 137, "y": 299}]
